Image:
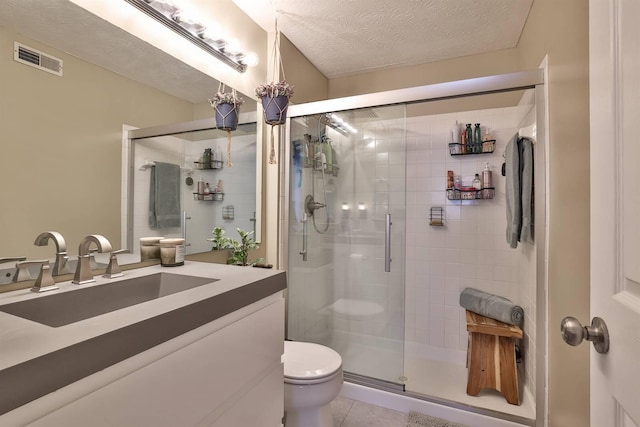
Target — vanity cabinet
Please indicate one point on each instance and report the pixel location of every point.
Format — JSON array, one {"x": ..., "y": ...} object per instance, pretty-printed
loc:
[{"x": 229, "y": 374}]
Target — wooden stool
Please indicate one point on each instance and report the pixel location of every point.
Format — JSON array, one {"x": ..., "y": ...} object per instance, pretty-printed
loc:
[{"x": 491, "y": 357}]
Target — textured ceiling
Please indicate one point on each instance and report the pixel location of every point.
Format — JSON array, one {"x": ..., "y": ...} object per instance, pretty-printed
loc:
[
  {"x": 71, "y": 29},
  {"x": 339, "y": 37},
  {"x": 342, "y": 37}
]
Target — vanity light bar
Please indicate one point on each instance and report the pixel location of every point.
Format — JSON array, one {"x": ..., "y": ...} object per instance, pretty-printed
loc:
[{"x": 171, "y": 20}]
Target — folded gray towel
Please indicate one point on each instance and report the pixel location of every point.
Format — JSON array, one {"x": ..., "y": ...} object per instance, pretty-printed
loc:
[
  {"x": 493, "y": 306},
  {"x": 164, "y": 196}
]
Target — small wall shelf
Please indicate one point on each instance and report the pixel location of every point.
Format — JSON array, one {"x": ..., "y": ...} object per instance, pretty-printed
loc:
[
  {"x": 485, "y": 193},
  {"x": 436, "y": 216},
  {"x": 457, "y": 149}
]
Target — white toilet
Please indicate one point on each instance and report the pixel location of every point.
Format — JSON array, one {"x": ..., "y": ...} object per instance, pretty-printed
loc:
[{"x": 312, "y": 379}]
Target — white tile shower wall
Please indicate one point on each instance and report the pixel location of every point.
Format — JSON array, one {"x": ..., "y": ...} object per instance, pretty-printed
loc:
[
  {"x": 238, "y": 184},
  {"x": 471, "y": 249}
]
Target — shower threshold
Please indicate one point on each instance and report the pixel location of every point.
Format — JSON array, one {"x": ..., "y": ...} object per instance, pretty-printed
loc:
[{"x": 400, "y": 390}]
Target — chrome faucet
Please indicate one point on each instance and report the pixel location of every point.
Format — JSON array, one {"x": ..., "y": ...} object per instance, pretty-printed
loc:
[
  {"x": 60, "y": 266},
  {"x": 83, "y": 270}
]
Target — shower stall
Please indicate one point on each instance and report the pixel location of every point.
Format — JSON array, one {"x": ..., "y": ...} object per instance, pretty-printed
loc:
[{"x": 371, "y": 274}]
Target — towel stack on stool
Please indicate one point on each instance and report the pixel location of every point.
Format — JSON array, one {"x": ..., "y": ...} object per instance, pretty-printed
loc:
[
  {"x": 492, "y": 322},
  {"x": 493, "y": 306}
]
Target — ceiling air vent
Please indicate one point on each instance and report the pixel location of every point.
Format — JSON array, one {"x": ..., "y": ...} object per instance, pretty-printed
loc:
[{"x": 37, "y": 59}]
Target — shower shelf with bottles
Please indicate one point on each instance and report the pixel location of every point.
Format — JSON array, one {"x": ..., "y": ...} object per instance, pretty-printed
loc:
[
  {"x": 470, "y": 193},
  {"x": 211, "y": 197},
  {"x": 213, "y": 164},
  {"x": 458, "y": 149},
  {"x": 331, "y": 169}
]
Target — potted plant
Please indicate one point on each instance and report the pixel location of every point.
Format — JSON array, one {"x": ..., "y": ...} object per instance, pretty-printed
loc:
[
  {"x": 227, "y": 106},
  {"x": 275, "y": 101},
  {"x": 239, "y": 250}
]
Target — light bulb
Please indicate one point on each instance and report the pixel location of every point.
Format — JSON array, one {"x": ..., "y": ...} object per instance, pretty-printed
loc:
[
  {"x": 251, "y": 59},
  {"x": 233, "y": 46}
]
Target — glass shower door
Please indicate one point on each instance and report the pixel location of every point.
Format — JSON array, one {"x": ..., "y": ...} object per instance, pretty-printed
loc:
[{"x": 346, "y": 237}]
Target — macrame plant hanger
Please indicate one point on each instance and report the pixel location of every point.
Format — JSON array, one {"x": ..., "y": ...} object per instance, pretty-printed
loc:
[
  {"x": 224, "y": 115},
  {"x": 276, "y": 60}
]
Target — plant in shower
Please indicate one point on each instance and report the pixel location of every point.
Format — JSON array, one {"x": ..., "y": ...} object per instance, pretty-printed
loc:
[{"x": 239, "y": 249}]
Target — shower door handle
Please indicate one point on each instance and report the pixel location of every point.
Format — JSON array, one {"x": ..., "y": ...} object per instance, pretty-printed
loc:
[
  {"x": 184, "y": 227},
  {"x": 387, "y": 243},
  {"x": 303, "y": 252}
]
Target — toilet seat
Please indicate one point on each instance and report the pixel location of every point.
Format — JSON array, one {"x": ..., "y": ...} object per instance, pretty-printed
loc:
[{"x": 309, "y": 363}]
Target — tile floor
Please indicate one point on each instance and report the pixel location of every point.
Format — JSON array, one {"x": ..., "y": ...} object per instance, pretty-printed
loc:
[{"x": 352, "y": 413}]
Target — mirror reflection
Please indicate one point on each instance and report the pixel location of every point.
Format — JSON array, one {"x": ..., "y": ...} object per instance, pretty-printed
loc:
[
  {"x": 64, "y": 132},
  {"x": 210, "y": 192}
]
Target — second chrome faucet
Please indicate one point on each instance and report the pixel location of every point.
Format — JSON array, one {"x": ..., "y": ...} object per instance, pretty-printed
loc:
[{"x": 83, "y": 270}]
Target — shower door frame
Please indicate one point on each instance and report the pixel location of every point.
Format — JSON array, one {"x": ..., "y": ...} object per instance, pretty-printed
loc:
[{"x": 522, "y": 80}]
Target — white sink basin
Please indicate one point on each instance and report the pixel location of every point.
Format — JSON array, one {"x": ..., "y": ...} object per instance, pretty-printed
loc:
[{"x": 70, "y": 307}]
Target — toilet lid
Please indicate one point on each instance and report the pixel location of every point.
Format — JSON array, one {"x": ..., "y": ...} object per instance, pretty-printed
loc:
[{"x": 307, "y": 361}]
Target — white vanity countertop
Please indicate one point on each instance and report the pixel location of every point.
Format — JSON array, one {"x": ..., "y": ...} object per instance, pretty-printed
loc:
[{"x": 22, "y": 340}]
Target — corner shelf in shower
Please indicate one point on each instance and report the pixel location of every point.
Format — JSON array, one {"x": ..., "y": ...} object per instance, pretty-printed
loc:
[
  {"x": 487, "y": 147},
  {"x": 485, "y": 193},
  {"x": 214, "y": 164},
  {"x": 211, "y": 197},
  {"x": 332, "y": 169}
]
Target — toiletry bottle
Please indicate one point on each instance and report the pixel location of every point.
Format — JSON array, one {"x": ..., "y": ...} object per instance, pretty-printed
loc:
[
  {"x": 487, "y": 180},
  {"x": 207, "y": 189},
  {"x": 477, "y": 139},
  {"x": 463, "y": 138},
  {"x": 477, "y": 184},
  {"x": 201, "y": 186},
  {"x": 206, "y": 158},
  {"x": 326, "y": 149},
  {"x": 455, "y": 133},
  {"x": 468, "y": 136}
]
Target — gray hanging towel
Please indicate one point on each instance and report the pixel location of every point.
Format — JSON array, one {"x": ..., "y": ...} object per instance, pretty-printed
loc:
[
  {"x": 512, "y": 192},
  {"x": 164, "y": 196},
  {"x": 526, "y": 184}
]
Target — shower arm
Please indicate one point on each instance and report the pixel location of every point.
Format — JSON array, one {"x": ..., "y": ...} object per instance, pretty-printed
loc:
[{"x": 303, "y": 252}]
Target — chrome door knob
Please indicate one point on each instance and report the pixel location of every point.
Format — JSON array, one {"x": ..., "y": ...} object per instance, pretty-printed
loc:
[{"x": 573, "y": 333}]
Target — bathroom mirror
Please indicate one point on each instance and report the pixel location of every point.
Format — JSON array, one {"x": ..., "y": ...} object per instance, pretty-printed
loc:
[
  {"x": 220, "y": 192},
  {"x": 63, "y": 131}
]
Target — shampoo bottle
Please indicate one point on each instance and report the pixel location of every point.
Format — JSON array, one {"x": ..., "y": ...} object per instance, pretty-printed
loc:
[
  {"x": 487, "y": 179},
  {"x": 455, "y": 133}
]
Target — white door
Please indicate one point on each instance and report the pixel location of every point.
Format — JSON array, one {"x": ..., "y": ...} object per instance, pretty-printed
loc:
[{"x": 614, "y": 40}]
